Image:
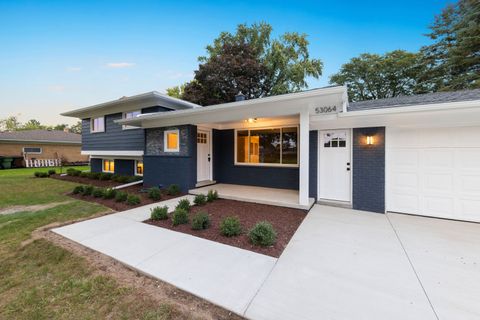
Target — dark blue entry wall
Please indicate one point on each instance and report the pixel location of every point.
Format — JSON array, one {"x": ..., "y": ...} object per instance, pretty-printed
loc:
[
  {"x": 225, "y": 170},
  {"x": 369, "y": 170},
  {"x": 95, "y": 165},
  {"x": 313, "y": 165}
]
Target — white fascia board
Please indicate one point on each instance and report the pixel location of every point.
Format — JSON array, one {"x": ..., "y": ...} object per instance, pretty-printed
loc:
[
  {"x": 113, "y": 153},
  {"x": 275, "y": 106}
]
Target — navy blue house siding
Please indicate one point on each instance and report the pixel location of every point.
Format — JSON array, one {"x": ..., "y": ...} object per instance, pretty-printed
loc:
[
  {"x": 369, "y": 170},
  {"x": 163, "y": 169},
  {"x": 225, "y": 170},
  {"x": 313, "y": 165},
  {"x": 124, "y": 167},
  {"x": 95, "y": 165}
]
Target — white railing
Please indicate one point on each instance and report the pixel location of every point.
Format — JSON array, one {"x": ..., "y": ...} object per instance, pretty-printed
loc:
[{"x": 37, "y": 163}]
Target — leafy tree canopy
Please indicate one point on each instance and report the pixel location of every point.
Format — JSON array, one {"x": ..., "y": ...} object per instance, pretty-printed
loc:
[
  {"x": 12, "y": 123},
  {"x": 253, "y": 62}
]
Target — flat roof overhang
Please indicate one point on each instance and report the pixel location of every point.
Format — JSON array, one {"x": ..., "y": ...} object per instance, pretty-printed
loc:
[{"x": 274, "y": 106}]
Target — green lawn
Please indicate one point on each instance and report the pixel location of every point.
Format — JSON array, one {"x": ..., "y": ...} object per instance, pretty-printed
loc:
[{"x": 44, "y": 281}]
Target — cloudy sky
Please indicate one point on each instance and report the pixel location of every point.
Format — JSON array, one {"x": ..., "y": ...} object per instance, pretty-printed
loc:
[{"x": 56, "y": 56}]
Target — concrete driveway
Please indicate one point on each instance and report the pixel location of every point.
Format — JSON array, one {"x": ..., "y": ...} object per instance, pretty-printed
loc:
[{"x": 346, "y": 264}]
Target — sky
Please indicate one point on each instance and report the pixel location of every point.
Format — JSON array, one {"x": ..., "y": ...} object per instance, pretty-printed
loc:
[{"x": 62, "y": 55}]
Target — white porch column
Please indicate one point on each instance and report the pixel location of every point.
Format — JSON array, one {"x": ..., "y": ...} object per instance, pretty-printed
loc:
[{"x": 304, "y": 156}]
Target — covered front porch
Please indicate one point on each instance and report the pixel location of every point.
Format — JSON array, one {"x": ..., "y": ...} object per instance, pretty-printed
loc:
[{"x": 271, "y": 196}]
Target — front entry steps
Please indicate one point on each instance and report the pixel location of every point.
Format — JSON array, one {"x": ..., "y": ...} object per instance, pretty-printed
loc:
[{"x": 204, "y": 183}]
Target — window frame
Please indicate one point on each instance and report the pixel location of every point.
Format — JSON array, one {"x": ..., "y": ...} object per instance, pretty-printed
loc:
[
  {"x": 92, "y": 120},
  {"x": 165, "y": 140},
  {"x": 40, "y": 152},
  {"x": 103, "y": 165},
  {"x": 136, "y": 167},
  {"x": 126, "y": 126},
  {"x": 286, "y": 165}
]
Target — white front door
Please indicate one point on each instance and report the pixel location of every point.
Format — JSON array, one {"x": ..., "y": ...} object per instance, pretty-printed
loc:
[
  {"x": 204, "y": 158},
  {"x": 335, "y": 165}
]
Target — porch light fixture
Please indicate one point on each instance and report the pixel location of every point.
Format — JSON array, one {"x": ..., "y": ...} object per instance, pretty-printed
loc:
[
  {"x": 251, "y": 120},
  {"x": 370, "y": 140}
]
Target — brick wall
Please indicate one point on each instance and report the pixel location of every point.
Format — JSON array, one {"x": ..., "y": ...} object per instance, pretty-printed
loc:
[
  {"x": 369, "y": 170},
  {"x": 71, "y": 153}
]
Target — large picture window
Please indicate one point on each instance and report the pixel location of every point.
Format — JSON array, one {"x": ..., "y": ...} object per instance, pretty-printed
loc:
[{"x": 269, "y": 146}]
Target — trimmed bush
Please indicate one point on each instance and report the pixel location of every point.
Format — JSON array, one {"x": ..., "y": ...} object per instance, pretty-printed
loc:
[
  {"x": 133, "y": 199},
  {"x": 93, "y": 175},
  {"x": 77, "y": 190},
  {"x": 154, "y": 193},
  {"x": 109, "y": 193},
  {"x": 200, "y": 221},
  {"x": 183, "y": 204},
  {"x": 230, "y": 227},
  {"x": 87, "y": 190},
  {"x": 120, "y": 179},
  {"x": 85, "y": 174},
  {"x": 180, "y": 216},
  {"x": 121, "y": 196},
  {"x": 200, "y": 199},
  {"x": 73, "y": 172},
  {"x": 104, "y": 176},
  {"x": 51, "y": 171},
  {"x": 212, "y": 195},
  {"x": 40, "y": 174},
  {"x": 98, "y": 192},
  {"x": 159, "y": 213},
  {"x": 263, "y": 234},
  {"x": 135, "y": 178},
  {"x": 173, "y": 189}
]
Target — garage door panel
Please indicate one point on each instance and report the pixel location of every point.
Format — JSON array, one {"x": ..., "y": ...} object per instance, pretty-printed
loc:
[{"x": 434, "y": 172}]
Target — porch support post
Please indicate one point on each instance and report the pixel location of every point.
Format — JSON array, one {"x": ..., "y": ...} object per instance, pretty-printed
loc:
[{"x": 304, "y": 157}]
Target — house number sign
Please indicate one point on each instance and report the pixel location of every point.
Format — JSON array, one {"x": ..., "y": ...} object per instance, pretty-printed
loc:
[{"x": 326, "y": 109}]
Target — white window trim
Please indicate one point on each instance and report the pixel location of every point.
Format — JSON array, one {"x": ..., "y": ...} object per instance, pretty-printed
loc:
[
  {"x": 126, "y": 126},
  {"x": 165, "y": 146},
  {"x": 135, "y": 169},
  {"x": 268, "y": 164},
  {"x": 91, "y": 125},
  {"x": 103, "y": 165},
  {"x": 41, "y": 150}
]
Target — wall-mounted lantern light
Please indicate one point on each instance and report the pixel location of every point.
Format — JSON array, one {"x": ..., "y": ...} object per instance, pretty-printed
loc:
[
  {"x": 251, "y": 120},
  {"x": 370, "y": 140}
]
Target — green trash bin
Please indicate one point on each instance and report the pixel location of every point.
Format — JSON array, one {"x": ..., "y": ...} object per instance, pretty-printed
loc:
[{"x": 6, "y": 163}]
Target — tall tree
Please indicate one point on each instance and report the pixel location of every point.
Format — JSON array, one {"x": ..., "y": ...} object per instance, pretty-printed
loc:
[
  {"x": 77, "y": 127},
  {"x": 177, "y": 91},
  {"x": 279, "y": 65},
  {"x": 32, "y": 124},
  {"x": 374, "y": 76},
  {"x": 453, "y": 59},
  {"x": 10, "y": 124}
]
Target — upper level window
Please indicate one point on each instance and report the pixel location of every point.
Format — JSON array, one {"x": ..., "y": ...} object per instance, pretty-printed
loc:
[
  {"x": 97, "y": 124},
  {"x": 171, "y": 141},
  {"x": 34, "y": 150},
  {"x": 269, "y": 146},
  {"x": 130, "y": 115},
  {"x": 108, "y": 165},
  {"x": 139, "y": 168}
]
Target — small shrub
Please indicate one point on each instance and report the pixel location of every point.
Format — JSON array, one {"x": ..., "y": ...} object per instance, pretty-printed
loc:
[
  {"x": 133, "y": 199},
  {"x": 159, "y": 213},
  {"x": 85, "y": 174},
  {"x": 134, "y": 178},
  {"x": 200, "y": 221},
  {"x": 51, "y": 171},
  {"x": 71, "y": 171},
  {"x": 87, "y": 190},
  {"x": 154, "y": 193},
  {"x": 200, "y": 199},
  {"x": 263, "y": 234},
  {"x": 173, "y": 189},
  {"x": 77, "y": 190},
  {"x": 121, "y": 196},
  {"x": 93, "y": 175},
  {"x": 212, "y": 195},
  {"x": 104, "y": 176},
  {"x": 40, "y": 174},
  {"x": 98, "y": 192},
  {"x": 230, "y": 226},
  {"x": 180, "y": 216},
  {"x": 121, "y": 179},
  {"x": 109, "y": 193},
  {"x": 183, "y": 204}
]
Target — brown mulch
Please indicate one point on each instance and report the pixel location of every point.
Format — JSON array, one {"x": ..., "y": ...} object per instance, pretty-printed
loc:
[
  {"x": 186, "y": 305},
  {"x": 84, "y": 180},
  {"x": 122, "y": 206},
  {"x": 284, "y": 220}
]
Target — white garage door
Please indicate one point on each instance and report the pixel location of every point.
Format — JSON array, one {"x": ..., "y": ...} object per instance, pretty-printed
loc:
[{"x": 434, "y": 172}]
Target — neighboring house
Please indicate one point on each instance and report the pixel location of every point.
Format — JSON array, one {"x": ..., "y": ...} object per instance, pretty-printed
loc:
[
  {"x": 417, "y": 155},
  {"x": 41, "y": 144}
]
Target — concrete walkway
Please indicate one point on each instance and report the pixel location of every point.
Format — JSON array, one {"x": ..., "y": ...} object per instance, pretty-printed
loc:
[
  {"x": 346, "y": 264},
  {"x": 224, "y": 275}
]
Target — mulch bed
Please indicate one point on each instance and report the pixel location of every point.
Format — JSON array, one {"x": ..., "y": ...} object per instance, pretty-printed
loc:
[
  {"x": 83, "y": 180},
  {"x": 284, "y": 220}
]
